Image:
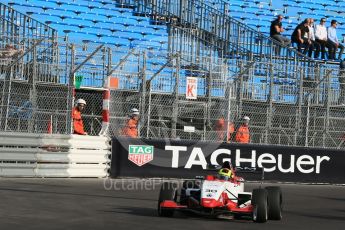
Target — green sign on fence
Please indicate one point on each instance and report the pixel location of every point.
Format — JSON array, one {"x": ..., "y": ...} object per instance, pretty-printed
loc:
[{"x": 78, "y": 79}]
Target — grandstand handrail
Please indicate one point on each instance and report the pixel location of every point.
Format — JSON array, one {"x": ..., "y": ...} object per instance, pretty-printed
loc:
[
  {"x": 162, "y": 11},
  {"x": 20, "y": 13},
  {"x": 200, "y": 38},
  {"x": 30, "y": 33},
  {"x": 170, "y": 59},
  {"x": 122, "y": 60},
  {"x": 329, "y": 72},
  {"x": 86, "y": 59}
]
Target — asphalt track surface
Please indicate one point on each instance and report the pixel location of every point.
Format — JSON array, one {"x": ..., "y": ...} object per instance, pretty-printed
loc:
[{"x": 122, "y": 204}]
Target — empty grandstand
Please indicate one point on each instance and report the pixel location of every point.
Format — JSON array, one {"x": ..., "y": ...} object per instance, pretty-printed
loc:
[{"x": 146, "y": 49}]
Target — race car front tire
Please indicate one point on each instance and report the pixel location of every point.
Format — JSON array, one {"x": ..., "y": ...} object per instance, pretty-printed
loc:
[
  {"x": 168, "y": 192},
  {"x": 275, "y": 202},
  {"x": 260, "y": 206}
]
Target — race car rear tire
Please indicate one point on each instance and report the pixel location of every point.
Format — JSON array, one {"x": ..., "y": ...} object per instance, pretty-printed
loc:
[
  {"x": 187, "y": 184},
  {"x": 168, "y": 192},
  {"x": 260, "y": 206},
  {"x": 275, "y": 202}
]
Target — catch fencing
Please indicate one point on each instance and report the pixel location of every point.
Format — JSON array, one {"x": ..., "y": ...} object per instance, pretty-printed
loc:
[
  {"x": 298, "y": 107},
  {"x": 294, "y": 105}
]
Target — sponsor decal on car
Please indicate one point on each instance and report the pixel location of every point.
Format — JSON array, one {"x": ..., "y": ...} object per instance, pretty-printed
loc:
[{"x": 140, "y": 154}]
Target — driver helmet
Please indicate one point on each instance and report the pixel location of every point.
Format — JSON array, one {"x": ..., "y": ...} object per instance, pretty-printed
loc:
[{"x": 225, "y": 174}]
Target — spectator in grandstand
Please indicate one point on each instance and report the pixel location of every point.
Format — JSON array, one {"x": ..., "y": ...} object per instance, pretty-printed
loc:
[
  {"x": 333, "y": 41},
  {"x": 131, "y": 126},
  {"x": 311, "y": 38},
  {"x": 7, "y": 54},
  {"x": 275, "y": 33},
  {"x": 321, "y": 39},
  {"x": 300, "y": 37},
  {"x": 10, "y": 52},
  {"x": 221, "y": 130},
  {"x": 341, "y": 99},
  {"x": 78, "y": 125},
  {"x": 242, "y": 133}
]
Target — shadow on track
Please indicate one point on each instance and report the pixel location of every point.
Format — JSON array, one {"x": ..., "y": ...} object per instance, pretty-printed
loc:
[
  {"x": 152, "y": 212},
  {"x": 75, "y": 194}
]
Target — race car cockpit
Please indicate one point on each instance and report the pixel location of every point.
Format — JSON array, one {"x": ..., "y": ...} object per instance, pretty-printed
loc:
[{"x": 225, "y": 174}]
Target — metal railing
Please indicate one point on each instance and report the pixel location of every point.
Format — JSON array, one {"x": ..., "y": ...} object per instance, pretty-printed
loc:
[
  {"x": 291, "y": 100},
  {"x": 16, "y": 26}
]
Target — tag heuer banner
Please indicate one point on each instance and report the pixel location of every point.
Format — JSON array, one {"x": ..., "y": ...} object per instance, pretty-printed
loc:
[{"x": 187, "y": 159}]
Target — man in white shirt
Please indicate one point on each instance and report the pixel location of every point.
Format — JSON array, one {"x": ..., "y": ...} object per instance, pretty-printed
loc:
[
  {"x": 311, "y": 37},
  {"x": 321, "y": 39},
  {"x": 333, "y": 41}
]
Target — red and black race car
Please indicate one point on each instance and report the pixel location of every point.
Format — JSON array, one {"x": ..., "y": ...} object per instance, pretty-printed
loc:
[{"x": 215, "y": 196}]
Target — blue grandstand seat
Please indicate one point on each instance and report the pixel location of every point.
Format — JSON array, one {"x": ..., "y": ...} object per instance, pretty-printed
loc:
[
  {"x": 102, "y": 21},
  {"x": 97, "y": 21}
]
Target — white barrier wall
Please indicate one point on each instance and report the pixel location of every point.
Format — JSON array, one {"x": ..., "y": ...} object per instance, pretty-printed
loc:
[{"x": 53, "y": 155}]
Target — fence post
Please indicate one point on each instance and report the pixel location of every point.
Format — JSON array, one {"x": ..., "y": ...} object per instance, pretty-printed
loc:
[
  {"x": 317, "y": 90},
  {"x": 270, "y": 104},
  {"x": 33, "y": 92},
  {"x": 228, "y": 115},
  {"x": 6, "y": 96},
  {"x": 300, "y": 101},
  {"x": 209, "y": 92},
  {"x": 327, "y": 107},
  {"x": 175, "y": 103},
  {"x": 240, "y": 91},
  {"x": 109, "y": 67},
  {"x": 143, "y": 93},
  {"x": 149, "y": 111},
  {"x": 306, "y": 143},
  {"x": 70, "y": 96}
]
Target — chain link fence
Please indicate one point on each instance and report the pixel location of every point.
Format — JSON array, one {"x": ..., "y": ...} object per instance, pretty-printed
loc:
[
  {"x": 38, "y": 108},
  {"x": 298, "y": 106},
  {"x": 32, "y": 100}
]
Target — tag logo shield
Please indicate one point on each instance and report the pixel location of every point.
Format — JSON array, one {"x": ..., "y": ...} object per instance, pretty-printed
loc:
[{"x": 140, "y": 154}]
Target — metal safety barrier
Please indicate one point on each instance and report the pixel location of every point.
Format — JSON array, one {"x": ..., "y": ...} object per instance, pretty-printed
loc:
[{"x": 42, "y": 155}]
